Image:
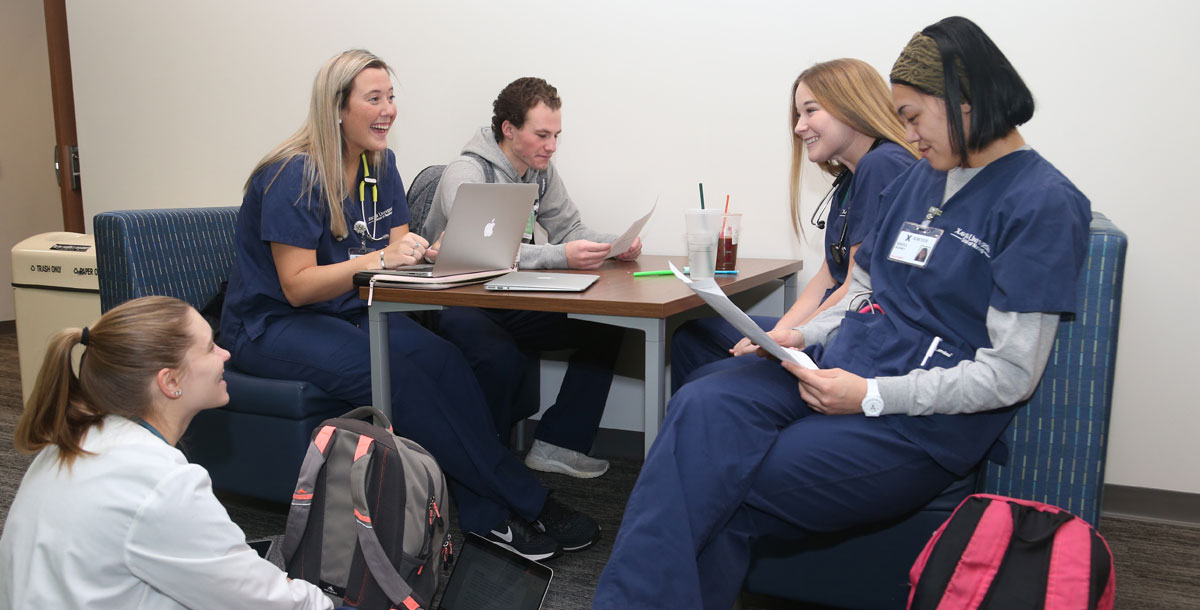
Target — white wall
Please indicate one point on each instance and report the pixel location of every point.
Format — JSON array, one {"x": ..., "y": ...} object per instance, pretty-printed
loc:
[
  {"x": 29, "y": 200},
  {"x": 176, "y": 101}
]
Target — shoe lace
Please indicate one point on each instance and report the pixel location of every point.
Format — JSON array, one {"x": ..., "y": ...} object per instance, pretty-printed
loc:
[
  {"x": 522, "y": 530},
  {"x": 555, "y": 513}
]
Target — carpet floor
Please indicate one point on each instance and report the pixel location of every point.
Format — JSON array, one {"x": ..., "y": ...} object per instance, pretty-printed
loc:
[{"x": 1158, "y": 565}]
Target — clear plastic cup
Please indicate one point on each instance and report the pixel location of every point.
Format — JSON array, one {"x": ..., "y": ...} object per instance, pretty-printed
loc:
[{"x": 702, "y": 255}]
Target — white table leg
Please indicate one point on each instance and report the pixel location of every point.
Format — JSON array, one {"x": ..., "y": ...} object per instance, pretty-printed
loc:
[
  {"x": 655, "y": 330},
  {"x": 381, "y": 358},
  {"x": 791, "y": 287}
]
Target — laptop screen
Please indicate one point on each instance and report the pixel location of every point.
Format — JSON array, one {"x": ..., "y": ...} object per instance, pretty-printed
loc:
[{"x": 487, "y": 576}]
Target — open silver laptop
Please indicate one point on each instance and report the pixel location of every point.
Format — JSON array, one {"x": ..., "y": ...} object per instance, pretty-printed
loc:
[
  {"x": 483, "y": 232},
  {"x": 542, "y": 281}
]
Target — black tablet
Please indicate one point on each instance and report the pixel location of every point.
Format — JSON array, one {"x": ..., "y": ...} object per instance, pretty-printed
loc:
[{"x": 488, "y": 576}]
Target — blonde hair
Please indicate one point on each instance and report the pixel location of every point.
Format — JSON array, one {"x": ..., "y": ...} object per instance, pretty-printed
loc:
[
  {"x": 320, "y": 141},
  {"x": 855, "y": 94},
  {"x": 124, "y": 351}
]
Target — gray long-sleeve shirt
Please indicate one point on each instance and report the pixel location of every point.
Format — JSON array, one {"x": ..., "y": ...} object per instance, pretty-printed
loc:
[
  {"x": 556, "y": 213},
  {"x": 998, "y": 376}
]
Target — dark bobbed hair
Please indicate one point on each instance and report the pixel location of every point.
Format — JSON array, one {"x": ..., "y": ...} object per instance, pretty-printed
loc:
[
  {"x": 999, "y": 99},
  {"x": 517, "y": 98}
]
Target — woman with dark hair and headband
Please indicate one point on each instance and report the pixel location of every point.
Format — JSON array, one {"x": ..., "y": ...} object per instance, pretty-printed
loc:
[{"x": 909, "y": 396}]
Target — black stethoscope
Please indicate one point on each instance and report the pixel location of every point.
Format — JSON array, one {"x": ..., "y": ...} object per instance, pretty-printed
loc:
[
  {"x": 838, "y": 249},
  {"x": 360, "y": 226}
]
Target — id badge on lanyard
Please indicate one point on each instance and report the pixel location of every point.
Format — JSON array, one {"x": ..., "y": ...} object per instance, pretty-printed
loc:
[
  {"x": 527, "y": 238},
  {"x": 914, "y": 245}
]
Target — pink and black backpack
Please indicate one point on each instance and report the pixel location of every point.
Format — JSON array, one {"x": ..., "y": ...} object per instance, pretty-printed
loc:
[{"x": 1003, "y": 553}]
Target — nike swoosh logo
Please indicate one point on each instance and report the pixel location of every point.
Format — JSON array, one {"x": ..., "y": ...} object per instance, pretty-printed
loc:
[{"x": 507, "y": 536}]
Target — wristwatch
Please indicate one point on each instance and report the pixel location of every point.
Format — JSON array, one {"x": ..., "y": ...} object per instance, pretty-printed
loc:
[{"x": 872, "y": 404}]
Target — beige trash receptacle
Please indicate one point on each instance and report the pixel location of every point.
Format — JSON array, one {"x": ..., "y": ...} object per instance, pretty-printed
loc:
[{"x": 54, "y": 287}]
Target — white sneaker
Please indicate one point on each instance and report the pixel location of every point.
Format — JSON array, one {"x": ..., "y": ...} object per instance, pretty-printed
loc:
[{"x": 552, "y": 458}]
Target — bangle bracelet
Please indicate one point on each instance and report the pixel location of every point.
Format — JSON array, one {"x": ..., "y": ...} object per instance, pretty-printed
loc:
[{"x": 382, "y": 263}]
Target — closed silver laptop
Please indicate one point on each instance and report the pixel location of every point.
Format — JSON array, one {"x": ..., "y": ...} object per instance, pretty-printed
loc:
[{"x": 542, "y": 281}]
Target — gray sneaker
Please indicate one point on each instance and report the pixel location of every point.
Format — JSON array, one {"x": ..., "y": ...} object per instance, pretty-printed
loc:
[{"x": 552, "y": 458}]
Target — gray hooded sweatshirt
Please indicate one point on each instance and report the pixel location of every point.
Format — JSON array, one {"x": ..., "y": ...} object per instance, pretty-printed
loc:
[{"x": 556, "y": 213}]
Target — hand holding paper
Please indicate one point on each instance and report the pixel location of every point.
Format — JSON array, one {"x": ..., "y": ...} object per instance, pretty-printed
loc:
[
  {"x": 622, "y": 244},
  {"x": 711, "y": 293}
]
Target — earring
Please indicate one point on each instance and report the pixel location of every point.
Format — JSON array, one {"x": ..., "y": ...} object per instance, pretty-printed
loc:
[
  {"x": 339, "y": 121},
  {"x": 178, "y": 393}
]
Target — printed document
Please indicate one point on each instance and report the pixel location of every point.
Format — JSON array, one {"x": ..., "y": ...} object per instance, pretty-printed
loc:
[
  {"x": 712, "y": 294},
  {"x": 621, "y": 244}
]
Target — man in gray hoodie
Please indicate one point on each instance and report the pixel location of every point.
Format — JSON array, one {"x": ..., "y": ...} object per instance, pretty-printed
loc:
[{"x": 517, "y": 147}]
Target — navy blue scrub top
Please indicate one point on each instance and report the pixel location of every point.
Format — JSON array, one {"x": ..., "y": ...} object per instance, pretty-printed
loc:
[
  {"x": 1014, "y": 238},
  {"x": 275, "y": 209},
  {"x": 875, "y": 170}
]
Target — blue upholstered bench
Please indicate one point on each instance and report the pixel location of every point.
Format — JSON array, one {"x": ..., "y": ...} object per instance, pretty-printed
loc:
[
  {"x": 1057, "y": 444},
  {"x": 255, "y": 444}
]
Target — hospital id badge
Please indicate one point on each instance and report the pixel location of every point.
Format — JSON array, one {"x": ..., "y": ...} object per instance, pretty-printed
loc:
[
  {"x": 357, "y": 252},
  {"x": 527, "y": 237},
  {"x": 914, "y": 245}
]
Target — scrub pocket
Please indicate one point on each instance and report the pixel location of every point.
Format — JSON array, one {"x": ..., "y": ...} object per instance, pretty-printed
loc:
[
  {"x": 872, "y": 345},
  {"x": 857, "y": 345}
]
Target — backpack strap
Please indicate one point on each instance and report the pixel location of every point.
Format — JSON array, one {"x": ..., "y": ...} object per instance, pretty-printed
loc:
[
  {"x": 302, "y": 496},
  {"x": 489, "y": 172},
  {"x": 385, "y": 574}
]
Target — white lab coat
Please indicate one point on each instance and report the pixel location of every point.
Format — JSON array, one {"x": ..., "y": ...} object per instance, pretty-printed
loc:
[{"x": 133, "y": 526}]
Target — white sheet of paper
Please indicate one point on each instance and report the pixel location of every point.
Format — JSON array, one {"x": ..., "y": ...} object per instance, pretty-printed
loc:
[
  {"x": 621, "y": 244},
  {"x": 712, "y": 294}
]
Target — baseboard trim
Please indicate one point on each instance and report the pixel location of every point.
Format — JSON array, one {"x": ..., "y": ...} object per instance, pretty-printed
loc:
[
  {"x": 1154, "y": 505},
  {"x": 8, "y": 326}
]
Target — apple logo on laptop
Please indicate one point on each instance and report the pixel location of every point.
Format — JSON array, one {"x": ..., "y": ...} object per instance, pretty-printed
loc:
[{"x": 489, "y": 228}]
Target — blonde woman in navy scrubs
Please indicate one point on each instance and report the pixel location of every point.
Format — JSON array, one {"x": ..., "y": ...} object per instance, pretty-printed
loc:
[
  {"x": 911, "y": 394},
  {"x": 842, "y": 120},
  {"x": 328, "y": 203}
]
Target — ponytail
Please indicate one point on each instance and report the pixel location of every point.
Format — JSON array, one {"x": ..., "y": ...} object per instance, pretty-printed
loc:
[
  {"x": 123, "y": 352},
  {"x": 57, "y": 412}
]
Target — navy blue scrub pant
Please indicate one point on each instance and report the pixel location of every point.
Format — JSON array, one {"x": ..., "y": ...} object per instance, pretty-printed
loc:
[
  {"x": 741, "y": 456},
  {"x": 704, "y": 344},
  {"x": 497, "y": 342},
  {"x": 435, "y": 402}
]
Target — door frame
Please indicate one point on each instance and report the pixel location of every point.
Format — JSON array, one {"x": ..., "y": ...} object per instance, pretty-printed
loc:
[{"x": 66, "y": 140}]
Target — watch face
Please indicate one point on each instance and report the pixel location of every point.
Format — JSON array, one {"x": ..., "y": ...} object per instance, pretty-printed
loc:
[{"x": 872, "y": 406}]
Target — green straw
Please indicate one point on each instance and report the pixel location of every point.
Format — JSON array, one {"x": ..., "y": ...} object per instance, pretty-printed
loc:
[{"x": 701, "y": 195}]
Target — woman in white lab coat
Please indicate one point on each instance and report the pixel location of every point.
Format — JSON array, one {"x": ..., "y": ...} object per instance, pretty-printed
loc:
[{"x": 110, "y": 514}]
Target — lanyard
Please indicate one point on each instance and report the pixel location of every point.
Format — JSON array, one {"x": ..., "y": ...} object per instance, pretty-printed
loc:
[
  {"x": 363, "y": 233},
  {"x": 146, "y": 425}
]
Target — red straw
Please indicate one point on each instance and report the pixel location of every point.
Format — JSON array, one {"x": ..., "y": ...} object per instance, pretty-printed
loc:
[{"x": 722, "y": 218}]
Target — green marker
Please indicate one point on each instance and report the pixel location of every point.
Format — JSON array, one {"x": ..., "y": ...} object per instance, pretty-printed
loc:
[{"x": 685, "y": 270}]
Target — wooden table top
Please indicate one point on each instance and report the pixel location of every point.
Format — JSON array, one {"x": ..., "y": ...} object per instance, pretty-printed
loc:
[{"x": 617, "y": 292}]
